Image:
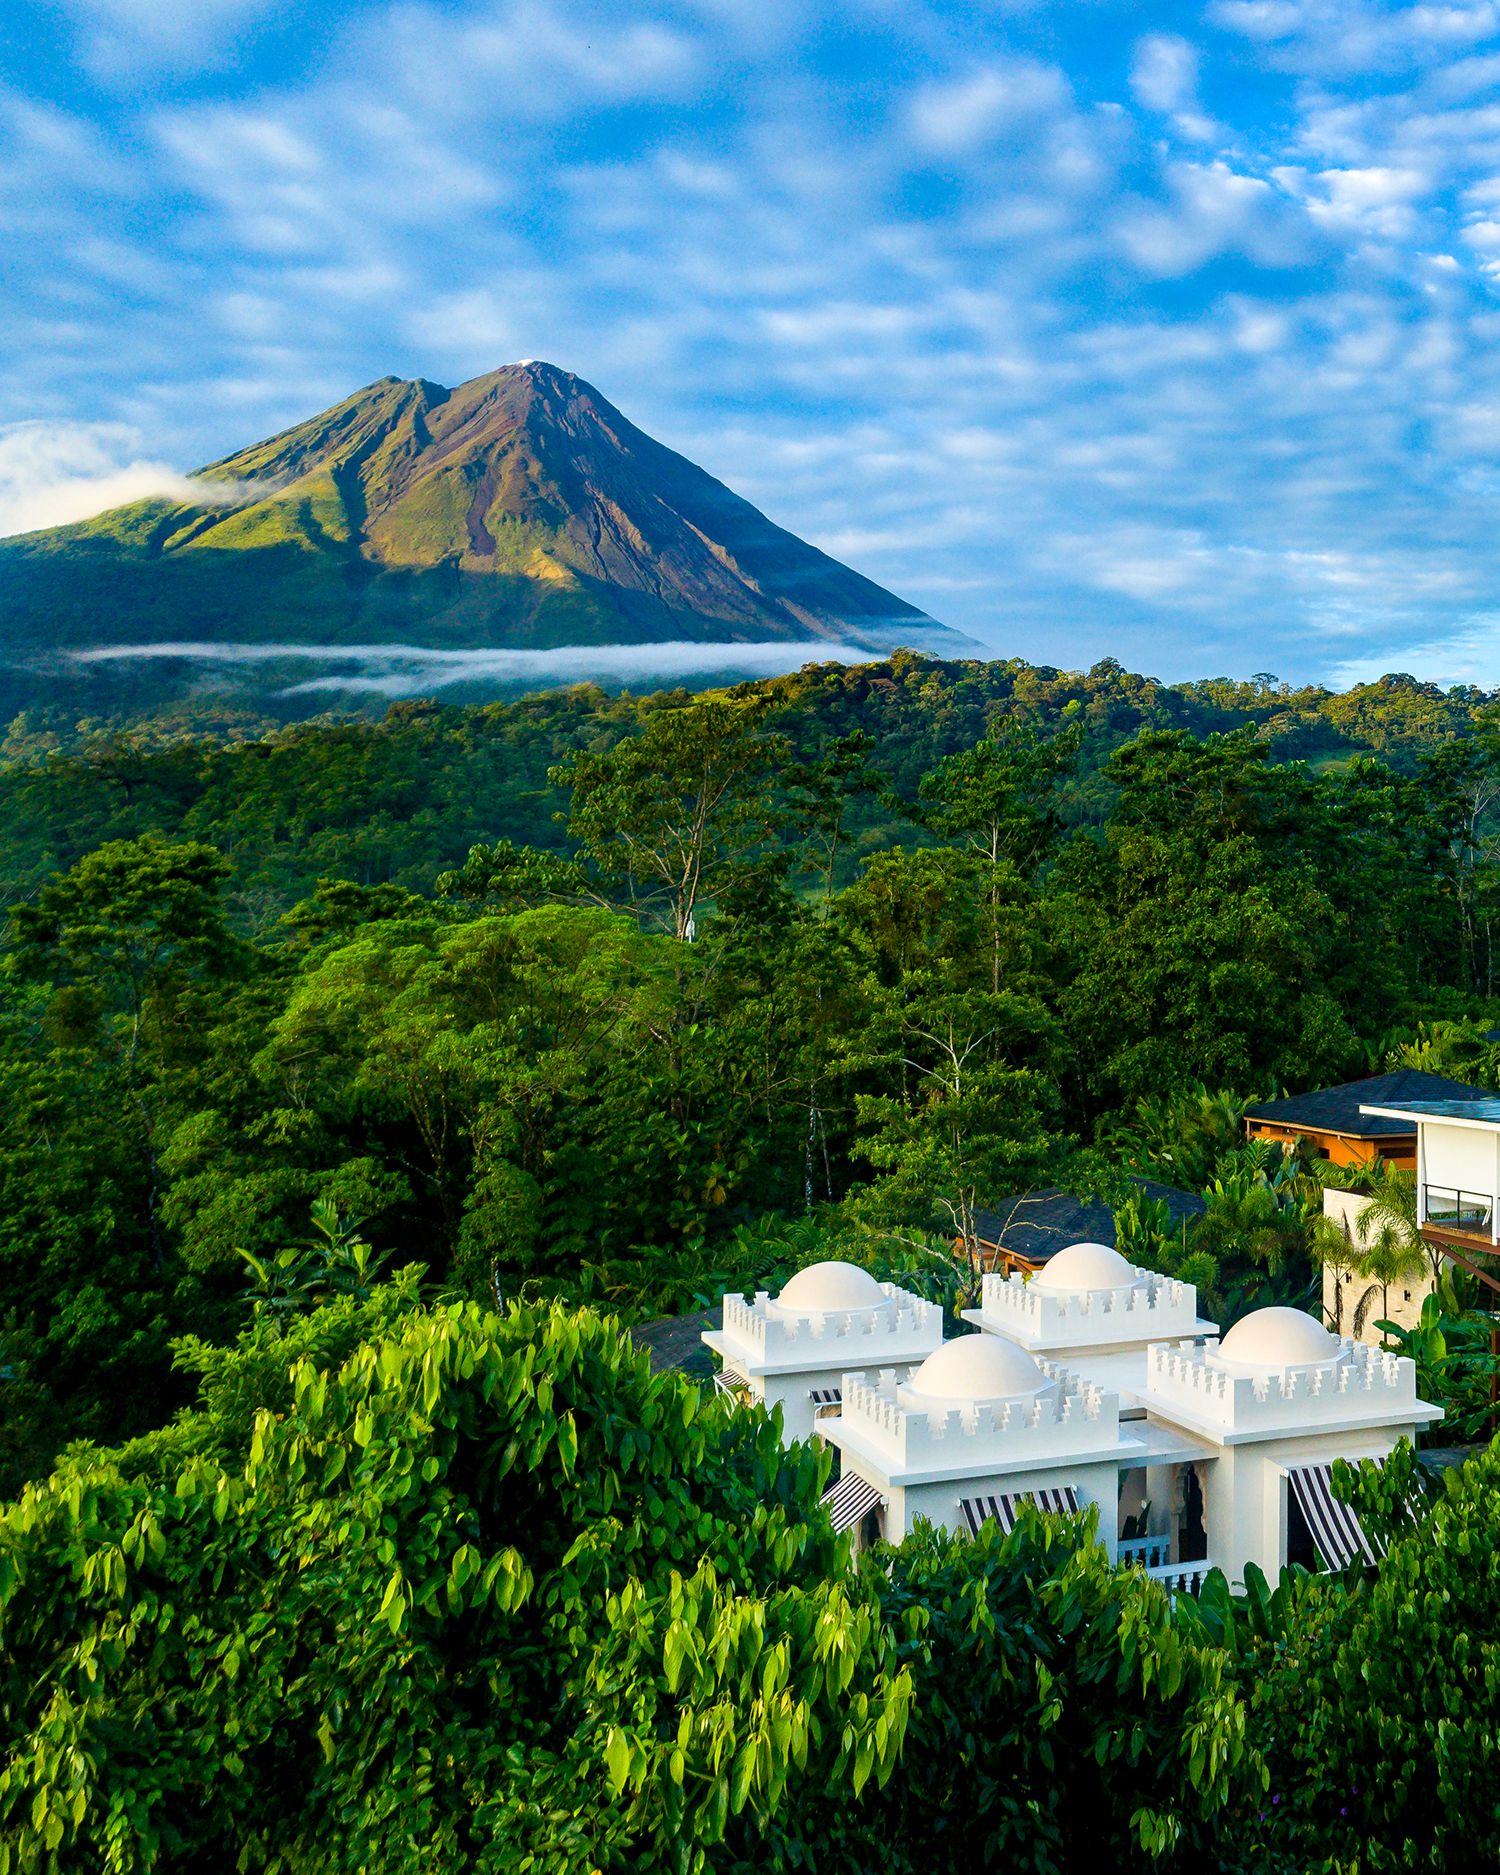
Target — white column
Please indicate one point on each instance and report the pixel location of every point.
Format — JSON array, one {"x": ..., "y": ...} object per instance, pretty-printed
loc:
[{"x": 1421, "y": 1174}]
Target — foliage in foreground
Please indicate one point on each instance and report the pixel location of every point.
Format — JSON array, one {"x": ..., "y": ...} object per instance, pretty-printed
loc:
[
  {"x": 441, "y": 1589},
  {"x": 449, "y": 1590},
  {"x": 1375, "y": 1698}
]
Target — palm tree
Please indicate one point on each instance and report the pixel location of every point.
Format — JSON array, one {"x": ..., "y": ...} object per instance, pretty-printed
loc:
[
  {"x": 1387, "y": 1245},
  {"x": 1331, "y": 1247}
]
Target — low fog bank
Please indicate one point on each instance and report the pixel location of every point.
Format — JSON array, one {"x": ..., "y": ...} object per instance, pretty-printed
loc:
[{"x": 418, "y": 670}]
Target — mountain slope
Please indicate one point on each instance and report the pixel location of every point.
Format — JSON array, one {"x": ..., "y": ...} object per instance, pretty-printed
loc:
[{"x": 518, "y": 511}]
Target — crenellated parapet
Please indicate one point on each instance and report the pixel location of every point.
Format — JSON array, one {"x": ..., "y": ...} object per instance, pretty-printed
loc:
[
  {"x": 901, "y": 1331},
  {"x": 1068, "y": 1418},
  {"x": 1359, "y": 1383},
  {"x": 1153, "y": 1308}
]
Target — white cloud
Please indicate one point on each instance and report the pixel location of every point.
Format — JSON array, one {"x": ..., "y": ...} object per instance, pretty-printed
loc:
[
  {"x": 1336, "y": 38},
  {"x": 125, "y": 35},
  {"x": 1214, "y": 209},
  {"x": 542, "y": 57},
  {"x": 1258, "y": 19},
  {"x": 55, "y": 473},
  {"x": 956, "y": 117},
  {"x": 1164, "y": 78},
  {"x": 1375, "y": 201},
  {"x": 395, "y": 670}
]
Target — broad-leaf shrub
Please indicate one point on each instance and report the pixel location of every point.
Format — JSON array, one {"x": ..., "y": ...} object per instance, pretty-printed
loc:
[{"x": 478, "y": 1594}]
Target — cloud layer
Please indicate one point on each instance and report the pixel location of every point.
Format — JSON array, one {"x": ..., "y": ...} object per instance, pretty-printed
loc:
[
  {"x": 419, "y": 670},
  {"x": 1173, "y": 340},
  {"x": 55, "y": 473}
]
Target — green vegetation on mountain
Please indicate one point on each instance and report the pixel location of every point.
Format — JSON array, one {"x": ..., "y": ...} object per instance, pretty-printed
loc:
[
  {"x": 403, "y": 799},
  {"x": 518, "y": 510}
]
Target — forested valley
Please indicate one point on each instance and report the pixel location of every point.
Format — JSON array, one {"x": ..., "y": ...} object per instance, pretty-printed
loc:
[
  {"x": 957, "y": 931},
  {"x": 345, "y": 1063}
]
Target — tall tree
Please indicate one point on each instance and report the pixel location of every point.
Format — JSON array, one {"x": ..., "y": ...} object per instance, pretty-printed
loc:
[
  {"x": 670, "y": 813},
  {"x": 996, "y": 799},
  {"x": 126, "y": 943}
]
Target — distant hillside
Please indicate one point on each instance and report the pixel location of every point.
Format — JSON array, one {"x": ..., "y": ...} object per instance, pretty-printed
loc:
[
  {"x": 417, "y": 539},
  {"x": 398, "y": 800}
]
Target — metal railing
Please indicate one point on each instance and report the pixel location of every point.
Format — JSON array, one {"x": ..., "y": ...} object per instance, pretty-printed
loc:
[{"x": 1469, "y": 1211}]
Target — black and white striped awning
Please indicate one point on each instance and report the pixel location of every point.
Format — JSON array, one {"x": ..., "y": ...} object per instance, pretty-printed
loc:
[
  {"x": 848, "y": 1500},
  {"x": 1007, "y": 1507},
  {"x": 826, "y": 1396},
  {"x": 1337, "y": 1533},
  {"x": 730, "y": 1379}
]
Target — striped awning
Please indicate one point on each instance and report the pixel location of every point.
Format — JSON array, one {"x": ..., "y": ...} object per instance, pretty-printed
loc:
[
  {"x": 826, "y": 1396},
  {"x": 1005, "y": 1508},
  {"x": 1337, "y": 1533},
  {"x": 730, "y": 1379},
  {"x": 848, "y": 1500}
]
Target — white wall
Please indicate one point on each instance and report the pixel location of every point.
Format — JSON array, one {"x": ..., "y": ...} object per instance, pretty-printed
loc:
[
  {"x": 1460, "y": 1157},
  {"x": 1245, "y": 1494},
  {"x": 790, "y": 1392},
  {"x": 938, "y": 1502},
  {"x": 1405, "y": 1299}
]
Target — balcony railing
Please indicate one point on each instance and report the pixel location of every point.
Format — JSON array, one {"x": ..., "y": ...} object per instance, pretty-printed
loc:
[
  {"x": 1151, "y": 1552},
  {"x": 1467, "y": 1211},
  {"x": 1183, "y": 1578}
]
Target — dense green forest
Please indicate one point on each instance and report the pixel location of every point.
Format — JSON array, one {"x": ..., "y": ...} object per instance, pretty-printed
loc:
[
  {"x": 432, "y": 1588},
  {"x": 957, "y": 930},
  {"x": 399, "y": 800},
  {"x": 578, "y": 1010}
]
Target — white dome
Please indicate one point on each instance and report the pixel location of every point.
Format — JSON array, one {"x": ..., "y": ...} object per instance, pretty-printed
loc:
[
  {"x": 1085, "y": 1266},
  {"x": 976, "y": 1367},
  {"x": 1277, "y": 1338},
  {"x": 831, "y": 1288}
]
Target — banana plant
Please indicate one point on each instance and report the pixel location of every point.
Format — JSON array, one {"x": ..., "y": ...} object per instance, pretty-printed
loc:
[{"x": 1456, "y": 1363}]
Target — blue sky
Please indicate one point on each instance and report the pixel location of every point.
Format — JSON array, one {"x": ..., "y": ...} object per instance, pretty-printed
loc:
[{"x": 1169, "y": 333}]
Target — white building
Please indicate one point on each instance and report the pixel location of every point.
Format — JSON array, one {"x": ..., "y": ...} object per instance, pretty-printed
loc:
[
  {"x": 794, "y": 1349},
  {"x": 979, "y": 1419},
  {"x": 1092, "y": 1308},
  {"x": 1279, "y": 1399},
  {"x": 1458, "y": 1167},
  {"x": 1458, "y": 1178},
  {"x": 1101, "y": 1386}
]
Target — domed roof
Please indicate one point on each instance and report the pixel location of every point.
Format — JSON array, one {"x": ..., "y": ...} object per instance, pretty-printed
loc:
[
  {"x": 976, "y": 1367},
  {"x": 831, "y": 1288},
  {"x": 1277, "y": 1338},
  {"x": 1087, "y": 1266}
]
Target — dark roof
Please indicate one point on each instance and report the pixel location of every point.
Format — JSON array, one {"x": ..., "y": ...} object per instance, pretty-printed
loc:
[
  {"x": 674, "y": 1344},
  {"x": 1337, "y": 1109},
  {"x": 1040, "y": 1223}
]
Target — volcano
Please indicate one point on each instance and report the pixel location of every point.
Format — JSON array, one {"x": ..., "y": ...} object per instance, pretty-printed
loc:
[{"x": 415, "y": 538}]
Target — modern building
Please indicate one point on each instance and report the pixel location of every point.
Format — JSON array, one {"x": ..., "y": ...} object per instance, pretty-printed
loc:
[
  {"x": 1096, "y": 1383},
  {"x": 1456, "y": 1160},
  {"x": 1360, "y": 1120}
]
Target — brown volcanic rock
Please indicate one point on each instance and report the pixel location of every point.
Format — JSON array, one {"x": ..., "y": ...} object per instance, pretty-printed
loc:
[
  {"x": 529, "y": 472},
  {"x": 518, "y": 511}
]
